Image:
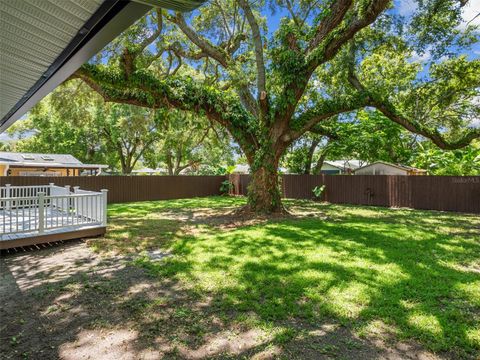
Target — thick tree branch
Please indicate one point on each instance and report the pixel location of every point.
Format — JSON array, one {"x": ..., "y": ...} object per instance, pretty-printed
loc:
[
  {"x": 205, "y": 45},
  {"x": 337, "y": 12},
  {"x": 150, "y": 39},
  {"x": 334, "y": 40},
  {"x": 322, "y": 112},
  {"x": 325, "y": 51},
  {"x": 221, "y": 55},
  {"x": 389, "y": 110},
  {"x": 259, "y": 58},
  {"x": 433, "y": 134},
  {"x": 143, "y": 90}
]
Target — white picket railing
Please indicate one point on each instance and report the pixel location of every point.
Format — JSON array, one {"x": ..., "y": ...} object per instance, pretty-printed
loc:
[
  {"x": 42, "y": 208},
  {"x": 9, "y": 191}
]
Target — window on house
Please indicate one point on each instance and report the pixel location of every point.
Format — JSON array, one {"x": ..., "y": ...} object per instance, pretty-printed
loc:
[
  {"x": 47, "y": 158},
  {"x": 28, "y": 157}
]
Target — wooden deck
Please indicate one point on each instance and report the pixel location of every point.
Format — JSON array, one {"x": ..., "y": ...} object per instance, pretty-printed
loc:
[
  {"x": 17, "y": 229},
  {"x": 26, "y": 239}
]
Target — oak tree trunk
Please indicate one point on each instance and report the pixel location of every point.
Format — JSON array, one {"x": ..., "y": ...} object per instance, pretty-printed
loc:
[{"x": 264, "y": 189}]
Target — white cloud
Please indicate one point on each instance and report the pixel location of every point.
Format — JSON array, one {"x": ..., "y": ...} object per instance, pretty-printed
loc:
[
  {"x": 475, "y": 123},
  {"x": 416, "y": 57},
  {"x": 469, "y": 14},
  {"x": 406, "y": 7}
]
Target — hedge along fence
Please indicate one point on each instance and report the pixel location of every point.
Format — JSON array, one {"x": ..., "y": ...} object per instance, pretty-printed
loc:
[
  {"x": 131, "y": 188},
  {"x": 449, "y": 193},
  {"x": 446, "y": 193}
]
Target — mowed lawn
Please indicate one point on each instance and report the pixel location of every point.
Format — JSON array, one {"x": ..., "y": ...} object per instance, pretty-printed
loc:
[{"x": 391, "y": 274}]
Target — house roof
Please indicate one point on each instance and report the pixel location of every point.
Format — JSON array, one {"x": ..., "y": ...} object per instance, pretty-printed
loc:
[
  {"x": 398, "y": 166},
  {"x": 44, "y": 42},
  {"x": 241, "y": 168},
  {"x": 149, "y": 171},
  {"x": 345, "y": 164},
  {"x": 44, "y": 160}
]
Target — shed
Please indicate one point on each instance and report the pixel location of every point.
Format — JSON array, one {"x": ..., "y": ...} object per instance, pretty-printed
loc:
[{"x": 385, "y": 168}]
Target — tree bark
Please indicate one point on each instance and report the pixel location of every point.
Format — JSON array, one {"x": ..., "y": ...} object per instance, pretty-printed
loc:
[
  {"x": 264, "y": 189},
  {"x": 321, "y": 160},
  {"x": 308, "y": 161}
]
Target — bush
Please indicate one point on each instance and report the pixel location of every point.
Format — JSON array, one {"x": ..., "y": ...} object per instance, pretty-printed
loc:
[
  {"x": 226, "y": 187},
  {"x": 318, "y": 191}
]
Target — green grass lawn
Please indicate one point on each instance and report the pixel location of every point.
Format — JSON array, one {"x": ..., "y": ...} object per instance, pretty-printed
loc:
[{"x": 404, "y": 275}]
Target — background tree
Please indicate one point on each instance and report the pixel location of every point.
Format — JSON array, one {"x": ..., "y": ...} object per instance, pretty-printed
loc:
[
  {"x": 4, "y": 146},
  {"x": 268, "y": 88},
  {"x": 75, "y": 120},
  {"x": 189, "y": 141},
  {"x": 129, "y": 131},
  {"x": 62, "y": 123},
  {"x": 365, "y": 135},
  {"x": 462, "y": 162}
]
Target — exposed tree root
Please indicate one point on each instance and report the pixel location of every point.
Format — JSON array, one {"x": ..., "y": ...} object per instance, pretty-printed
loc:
[{"x": 248, "y": 213}]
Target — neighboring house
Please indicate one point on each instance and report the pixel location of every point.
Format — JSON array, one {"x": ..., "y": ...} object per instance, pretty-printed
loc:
[
  {"x": 150, "y": 171},
  {"x": 245, "y": 169},
  {"x": 28, "y": 164},
  {"x": 333, "y": 167},
  {"x": 385, "y": 168},
  {"x": 241, "y": 169}
]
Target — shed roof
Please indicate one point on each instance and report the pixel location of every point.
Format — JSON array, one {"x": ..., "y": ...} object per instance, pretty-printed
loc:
[
  {"x": 398, "y": 166},
  {"x": 345, "y": 164}
]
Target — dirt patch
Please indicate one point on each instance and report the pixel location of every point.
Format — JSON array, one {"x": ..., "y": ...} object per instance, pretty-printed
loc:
[
  {"x": 70, "y": 303},
  {"x": 232, "y": 218}
]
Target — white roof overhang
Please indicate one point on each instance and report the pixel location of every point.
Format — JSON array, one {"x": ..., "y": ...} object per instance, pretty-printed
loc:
[{"x": 44, "y": 42}]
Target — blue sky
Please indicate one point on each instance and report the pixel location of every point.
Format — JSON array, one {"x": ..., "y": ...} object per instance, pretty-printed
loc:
[
  {"x": 469, "y": 14},
  {"x": 407, "y": 8}
]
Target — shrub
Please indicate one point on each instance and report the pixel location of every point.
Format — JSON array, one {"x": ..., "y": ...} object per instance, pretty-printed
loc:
[
  {"x": 226, "y": 187},
  {"x": 318, "y": 191}
]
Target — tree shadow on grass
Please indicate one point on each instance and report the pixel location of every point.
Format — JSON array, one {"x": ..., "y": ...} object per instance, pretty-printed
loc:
[
  {"x": 376, "y": 273},
  {"x": 293, "y": 289},
  {"x": 430, "y": 295},
  {"x": 105, "y": 309}
]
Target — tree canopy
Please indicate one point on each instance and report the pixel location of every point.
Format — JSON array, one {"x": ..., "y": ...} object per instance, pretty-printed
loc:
[
  {"x": 75, "y": 120},
  {"x": 369, "y": 136},
  {"x": 269, "y": 85}
]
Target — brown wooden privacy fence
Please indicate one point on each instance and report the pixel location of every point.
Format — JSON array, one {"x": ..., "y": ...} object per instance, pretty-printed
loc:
[
  {"x": 131, "y": 188},
  {"x": 448, "y": 193}
]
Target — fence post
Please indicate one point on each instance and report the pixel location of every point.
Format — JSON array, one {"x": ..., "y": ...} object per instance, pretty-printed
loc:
[
  {"x": 41, "y": 212},
  {"x": 8, "y": 204},
  {"x": 104, "y": 199},
  {"x": 51, "y": 185}
]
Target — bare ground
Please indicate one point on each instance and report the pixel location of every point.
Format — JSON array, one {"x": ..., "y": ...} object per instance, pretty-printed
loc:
[{"x": 66, "y": 302}]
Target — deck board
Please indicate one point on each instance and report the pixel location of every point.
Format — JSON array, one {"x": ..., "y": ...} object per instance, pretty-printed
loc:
[{"x": 57, "y": 223}]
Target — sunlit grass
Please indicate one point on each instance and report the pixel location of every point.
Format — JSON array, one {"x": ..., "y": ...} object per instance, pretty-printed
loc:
[{"x": 412, "y": 274}]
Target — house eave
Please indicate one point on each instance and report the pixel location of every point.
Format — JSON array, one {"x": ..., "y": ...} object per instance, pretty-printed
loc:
[
  {"x": 53, "y": 165},
  {"x": 108, "y": 21}
]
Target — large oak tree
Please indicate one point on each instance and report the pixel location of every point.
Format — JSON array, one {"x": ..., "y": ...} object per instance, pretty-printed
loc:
[{"x": 326, "y": 59}]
